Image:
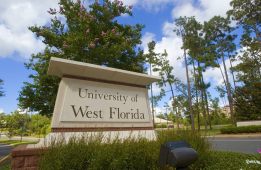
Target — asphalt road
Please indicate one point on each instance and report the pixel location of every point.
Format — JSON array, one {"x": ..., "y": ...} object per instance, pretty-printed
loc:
[
  {"x": 243, "y": 145},
  {"x": 4, "y": 150}
]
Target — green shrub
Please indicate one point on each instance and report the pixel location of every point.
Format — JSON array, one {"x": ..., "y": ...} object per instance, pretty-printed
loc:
[
  {"x": 129, "y": 154},
  {"x": 161, "y": 125},
  {"x": 241, "y": 129}
]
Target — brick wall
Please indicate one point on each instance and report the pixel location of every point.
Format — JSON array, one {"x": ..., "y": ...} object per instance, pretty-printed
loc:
[{"x": 24, "y": 158}]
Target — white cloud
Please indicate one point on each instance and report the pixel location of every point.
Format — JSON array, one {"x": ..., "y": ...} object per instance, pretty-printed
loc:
[
  {"x": 1, "y": 110},
  {"x": 15, "y": 18},
  {"x": 23, "y": 43},
  {"x": 146, "y": 38},
  {"x": 148, "y": 5},
  {"x": 203, "y": 10},
  {"x": 214, "y": 75},
  {"x": 158, "y": 110},
  {"x": 130, "y": 2},
  {"x": 172, "y": 44}
]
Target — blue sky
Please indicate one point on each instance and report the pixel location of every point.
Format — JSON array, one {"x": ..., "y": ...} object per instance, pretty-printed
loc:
[{"x": 17, "y": 43}]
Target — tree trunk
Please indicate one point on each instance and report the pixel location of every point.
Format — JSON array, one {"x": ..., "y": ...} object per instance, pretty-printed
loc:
[
  {"x": 206, "y": 101},
  {"x": 225, "y": 82},
  {"x": 202, "y": 97},
  {"x": 189, "y": 93},
  {"x": 151, "y": 93},
  {"x": 197, "y": 103},
  {"x": 232, "y": 72},
  {"x": 173, "y": 106},
  {"x": 230, "y": 99}
]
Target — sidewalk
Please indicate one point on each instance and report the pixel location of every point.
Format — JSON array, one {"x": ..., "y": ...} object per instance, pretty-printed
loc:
[
  {"x": 25, "y": 138},
  {"x": 244, "y": 135}
]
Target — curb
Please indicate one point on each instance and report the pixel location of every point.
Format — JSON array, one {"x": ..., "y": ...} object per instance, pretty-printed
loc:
[
  {"x": 236, "y": 136},
  {"x": 5, "y": 158}
]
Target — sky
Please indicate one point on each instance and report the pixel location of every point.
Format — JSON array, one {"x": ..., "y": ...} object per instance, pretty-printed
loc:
[{"x": 17, "y": 43}]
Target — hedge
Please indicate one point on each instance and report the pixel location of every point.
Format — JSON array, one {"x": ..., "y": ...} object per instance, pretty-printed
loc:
[
  {"x": 241, "y": 129},
  {"x": 131, "y": 154},
  {"x": 161, "y": 126}
]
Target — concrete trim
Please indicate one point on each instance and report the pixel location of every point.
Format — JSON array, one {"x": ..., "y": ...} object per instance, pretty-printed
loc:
[{"x": 100, "y": 129}]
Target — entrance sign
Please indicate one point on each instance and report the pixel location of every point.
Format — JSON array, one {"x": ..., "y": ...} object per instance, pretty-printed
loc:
[
  {"x": 94, "y": 101},
  {"x": 88, "y": 101},
  {"x": 92, "y": 97}
]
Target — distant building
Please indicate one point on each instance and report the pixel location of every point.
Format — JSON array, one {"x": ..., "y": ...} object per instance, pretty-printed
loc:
[
  {"x": 166, "y": 123},
  {"x": 226, "y": 110},
  {"x": 161, "y": 121}
]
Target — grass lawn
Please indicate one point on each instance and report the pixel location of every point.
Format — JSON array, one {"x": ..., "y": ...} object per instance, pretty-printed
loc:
[
  {"x": 6, "y": 165},
  {"x": 211, "y": 132},
  {"x": 219, "y": 160}
]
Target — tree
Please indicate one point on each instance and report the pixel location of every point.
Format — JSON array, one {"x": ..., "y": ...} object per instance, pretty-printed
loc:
[
  {"x": 218, "y": 35},
  {"x": 181, "y": 30},
  {"x": 161, "y": 65},
  {"x": 161, "y": 116},
  {"x": 246, "y": 13},
  {"x": 1, "y": 88},
  {"x": 39, "y": 124},
  {"x": 16, "y": 123},
  {"x": 2, "y": 122},
  {"x": 87, "y": 34},
  {"x": 217, "y": 117},
  {"x": 248, "y": 101}
]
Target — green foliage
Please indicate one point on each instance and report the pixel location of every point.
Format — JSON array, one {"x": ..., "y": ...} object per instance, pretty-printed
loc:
[
  {"x": 218, "y": 160},
  {"x": 241, "y": 129},
  {"x": 129, "y": 154},
  {"x": 87, "y": 34},
  {"x": 22, "y": 124},
  {"x": 246, "y": 13},
  {"x": 138, "y": 154},
  {"x": 39, "y": 124},
  {"x": 6, "y": 165},
  {"x": 248, "y": 101},
  {"x": 16, "y": 123},
  {"x": 161, "y": 126},
  {"x": 217, "y": 117}
]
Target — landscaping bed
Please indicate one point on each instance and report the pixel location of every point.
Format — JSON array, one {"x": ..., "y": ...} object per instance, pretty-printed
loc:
[{"x": 139, "y": 154}]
